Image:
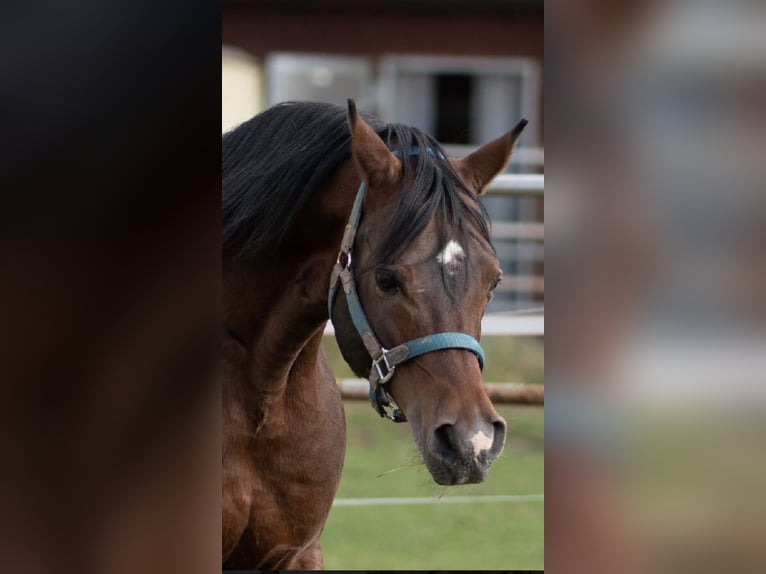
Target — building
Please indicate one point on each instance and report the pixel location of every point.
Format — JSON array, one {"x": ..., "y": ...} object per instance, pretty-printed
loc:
[{"x": 464, "y": 71}]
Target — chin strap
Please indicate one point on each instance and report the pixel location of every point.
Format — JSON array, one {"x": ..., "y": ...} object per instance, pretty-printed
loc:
[{"x": 384, "y": 361}]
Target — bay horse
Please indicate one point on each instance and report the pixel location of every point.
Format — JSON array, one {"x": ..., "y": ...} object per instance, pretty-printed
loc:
[{"x": 328, "y": 213}]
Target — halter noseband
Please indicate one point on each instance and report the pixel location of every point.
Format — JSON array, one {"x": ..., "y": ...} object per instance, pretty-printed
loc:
[{"x": 385, "y": 361}]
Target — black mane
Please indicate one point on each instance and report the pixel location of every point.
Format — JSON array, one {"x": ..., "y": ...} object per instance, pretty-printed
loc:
[{"x": 274, "y": 162}]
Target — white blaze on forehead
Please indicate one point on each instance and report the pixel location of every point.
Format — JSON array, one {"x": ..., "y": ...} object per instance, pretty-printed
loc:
[
  {"x": 481, "y": 442},
  {"x": 451, "y": 256}
]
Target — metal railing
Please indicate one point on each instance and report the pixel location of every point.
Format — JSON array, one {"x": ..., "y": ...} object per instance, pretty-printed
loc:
[
  {"x": 523, "y": 156},
  {"x": 517, "y": 184}
]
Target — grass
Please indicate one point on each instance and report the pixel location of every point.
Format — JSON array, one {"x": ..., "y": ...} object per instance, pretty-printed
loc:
[
  {"x": 496, "y": 536},
  {"x": 487, "y": 536}
]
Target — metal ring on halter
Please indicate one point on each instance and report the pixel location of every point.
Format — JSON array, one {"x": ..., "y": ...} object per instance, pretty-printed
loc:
[
  {"x": 380, "y": 399},
  {"x": 347, "y": 264}
]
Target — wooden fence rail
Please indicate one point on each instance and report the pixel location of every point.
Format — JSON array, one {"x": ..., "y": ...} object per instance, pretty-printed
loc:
[{"x": 500, "y": 393}]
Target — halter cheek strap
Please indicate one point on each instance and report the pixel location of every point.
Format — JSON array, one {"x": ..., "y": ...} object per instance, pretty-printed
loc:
[{"x": 384, "y": 361}]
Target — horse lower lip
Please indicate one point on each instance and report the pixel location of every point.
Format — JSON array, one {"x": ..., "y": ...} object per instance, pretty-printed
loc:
[{"x": 447, "y": 472}]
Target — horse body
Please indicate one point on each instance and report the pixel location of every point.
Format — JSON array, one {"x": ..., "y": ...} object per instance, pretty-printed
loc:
[
  {"x": 281, "y": 401},
  {"x": 273, "y": 509},
  {"x": 284, "y": 426}
]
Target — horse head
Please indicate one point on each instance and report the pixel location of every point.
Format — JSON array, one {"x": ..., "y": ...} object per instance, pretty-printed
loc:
[{"x": 423, "y": 265}]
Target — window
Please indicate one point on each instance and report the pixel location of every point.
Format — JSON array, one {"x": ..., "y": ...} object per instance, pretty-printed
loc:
[{"x": 461, "y": 100}]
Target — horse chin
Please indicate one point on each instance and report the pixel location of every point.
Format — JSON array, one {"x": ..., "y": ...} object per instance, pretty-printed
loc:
[{"x": 452, "y": 474}]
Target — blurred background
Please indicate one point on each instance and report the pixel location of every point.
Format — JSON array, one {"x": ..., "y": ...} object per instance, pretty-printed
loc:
[
  {"x": 656, "y": 347},
  {"x": 465, "y": 72}
]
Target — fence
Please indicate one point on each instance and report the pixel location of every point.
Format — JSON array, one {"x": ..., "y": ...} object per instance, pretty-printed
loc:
[
  {"x": 517, "y": 184},
  {"x": 501, "y": 393}
]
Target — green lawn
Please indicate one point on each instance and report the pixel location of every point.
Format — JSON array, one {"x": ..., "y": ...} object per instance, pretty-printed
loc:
[{"x": 485, "y": 536}]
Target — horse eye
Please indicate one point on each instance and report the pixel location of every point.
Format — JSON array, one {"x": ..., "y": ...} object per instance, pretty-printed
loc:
[
  {"x": 387, "y": 281},
  {"x": 492, "y": 287}
]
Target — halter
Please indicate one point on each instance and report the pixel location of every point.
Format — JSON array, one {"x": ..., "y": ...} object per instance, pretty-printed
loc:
[{"x": 385, "y": 361}]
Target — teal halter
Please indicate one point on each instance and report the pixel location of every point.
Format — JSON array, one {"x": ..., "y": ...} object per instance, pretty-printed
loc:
[{"x": 385, "y": 361}]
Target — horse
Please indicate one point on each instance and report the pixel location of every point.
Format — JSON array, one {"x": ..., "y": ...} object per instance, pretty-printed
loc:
[{"x": 331, "y": 214}]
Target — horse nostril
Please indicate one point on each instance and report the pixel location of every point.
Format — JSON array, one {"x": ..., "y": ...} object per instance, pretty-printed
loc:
[
  {"x": 499, "y": 427},
  {"x": 446, "y": 442}
]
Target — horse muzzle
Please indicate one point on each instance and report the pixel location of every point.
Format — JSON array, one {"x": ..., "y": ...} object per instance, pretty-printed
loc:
[{"x": 462, "y": 454}]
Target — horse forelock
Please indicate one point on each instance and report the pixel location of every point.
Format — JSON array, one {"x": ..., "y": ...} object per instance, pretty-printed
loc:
[
  {"x": 273, "y": 164},
  {"x": 432, "y": 191}
]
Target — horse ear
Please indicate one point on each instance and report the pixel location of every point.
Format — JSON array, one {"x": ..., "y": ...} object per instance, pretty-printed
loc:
[
  {"x": 376, "y": 164},
  {"x": 480, "y": 167}
]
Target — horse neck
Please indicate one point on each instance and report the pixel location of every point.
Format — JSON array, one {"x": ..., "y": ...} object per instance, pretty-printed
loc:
[{"x": 275, "y": 302}]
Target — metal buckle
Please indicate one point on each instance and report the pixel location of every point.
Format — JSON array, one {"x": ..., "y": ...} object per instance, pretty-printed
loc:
[{"x": 383, "y": 378}]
